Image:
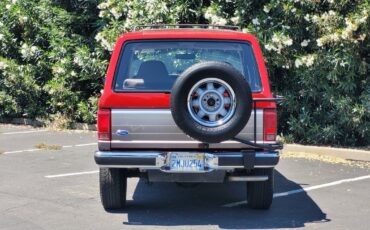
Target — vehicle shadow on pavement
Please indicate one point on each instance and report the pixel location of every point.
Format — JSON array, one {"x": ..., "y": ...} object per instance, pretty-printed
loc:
[{"x": 166, "y": 204}]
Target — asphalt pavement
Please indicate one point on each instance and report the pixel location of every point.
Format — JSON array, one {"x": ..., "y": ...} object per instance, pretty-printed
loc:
[{"x": 49, "y": 180}]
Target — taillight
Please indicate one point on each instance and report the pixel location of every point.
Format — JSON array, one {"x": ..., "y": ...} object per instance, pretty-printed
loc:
[
  {"x": 269, "y": 124},
  {"x": 104, "y": 124}
]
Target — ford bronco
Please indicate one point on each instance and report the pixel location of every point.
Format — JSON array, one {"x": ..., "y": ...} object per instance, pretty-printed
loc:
[{"x": 187, "y": 104}]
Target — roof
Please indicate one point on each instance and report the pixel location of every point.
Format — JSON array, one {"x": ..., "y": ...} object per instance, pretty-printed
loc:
[{"x": 185, "y": 33}]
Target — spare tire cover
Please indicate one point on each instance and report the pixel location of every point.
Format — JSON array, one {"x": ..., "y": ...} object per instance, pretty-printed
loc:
[{"x": 211, "y": 101}]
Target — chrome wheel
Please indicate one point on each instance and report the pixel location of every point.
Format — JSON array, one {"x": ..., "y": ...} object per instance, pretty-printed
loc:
[{"x": 211, "y": 102}]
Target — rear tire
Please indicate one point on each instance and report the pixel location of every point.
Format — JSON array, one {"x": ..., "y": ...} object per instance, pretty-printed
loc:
[
  {"x": 113, "y": 186},
  {"x": 260, "y": 193}
]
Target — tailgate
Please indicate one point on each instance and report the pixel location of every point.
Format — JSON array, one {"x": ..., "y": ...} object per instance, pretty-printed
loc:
[{"x": 156, "y": 129}]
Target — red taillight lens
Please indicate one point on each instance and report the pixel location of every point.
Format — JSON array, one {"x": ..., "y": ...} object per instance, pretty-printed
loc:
[
  {"x": 104, "y": 124},
  {"x": 269, "y": 124}
]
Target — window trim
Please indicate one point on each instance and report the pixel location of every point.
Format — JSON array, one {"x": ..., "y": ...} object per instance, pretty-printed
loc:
[{"x": 177, "y": 40}]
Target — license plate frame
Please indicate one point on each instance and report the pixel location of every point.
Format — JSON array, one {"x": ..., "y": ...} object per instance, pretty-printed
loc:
[{"x": 186, "y": 162}]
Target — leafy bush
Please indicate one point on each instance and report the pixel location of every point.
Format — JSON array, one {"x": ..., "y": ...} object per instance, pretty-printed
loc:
[
  {"x": 49, "y": 60},
  {"x": 54, "y": 53}
]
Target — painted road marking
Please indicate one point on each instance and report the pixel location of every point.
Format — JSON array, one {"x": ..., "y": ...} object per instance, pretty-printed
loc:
[
  {"x": 88, "y": 144},
  {"x": 64, "y": 146},
  {"x": 338, "y": 182},
  {"x": 72, "y": 174},
  {"x": 25, "y": 132},
  {"x": 295, "y": 191},
  {"x": 80, "y": 145},
  {"x": 21, "y": 151}
]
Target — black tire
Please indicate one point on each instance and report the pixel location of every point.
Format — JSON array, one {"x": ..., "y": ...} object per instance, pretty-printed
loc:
[
  {"x": 192, "y": 76},
  {"x": 260, "y": 193},
  {"x": 113, "y": 186}
]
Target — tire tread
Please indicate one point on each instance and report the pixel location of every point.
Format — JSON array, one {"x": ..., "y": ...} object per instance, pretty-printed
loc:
[
  {"x": 260, "y": 194},
  {"x": 113, "y": 185}
]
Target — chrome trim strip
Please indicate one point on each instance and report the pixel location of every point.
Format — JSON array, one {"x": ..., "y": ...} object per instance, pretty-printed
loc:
[
  {"x": 146, "y": 167},
  {"x": 144, "y": 111},
  {"x": 229, "y": 155},
  {"x": 181, "y": 142},
  {"x": 128, "y": 154},
  {"x": 248, "y": 178},
  {"x": 258, "y": 155},
  {"x": 264, "y": 166},
  {"x": 270, "y": 155}
]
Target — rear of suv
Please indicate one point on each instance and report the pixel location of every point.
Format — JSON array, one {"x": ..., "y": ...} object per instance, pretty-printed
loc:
[{"x": 187, "y": 105}]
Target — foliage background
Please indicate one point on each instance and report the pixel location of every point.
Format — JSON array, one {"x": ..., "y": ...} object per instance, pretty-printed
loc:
[{"x": 54, "y": 53}]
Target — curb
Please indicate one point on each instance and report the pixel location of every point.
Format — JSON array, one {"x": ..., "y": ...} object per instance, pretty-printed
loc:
[
  {"x": 22, "y": 121},
  {"x": 38, "y": 123},
  {"x": 345, "y": 153},
  {"x": 84, "y": 126}
]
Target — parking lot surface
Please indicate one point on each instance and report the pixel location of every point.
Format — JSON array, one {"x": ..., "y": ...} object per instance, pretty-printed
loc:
[{"x": 49, "y": 180}]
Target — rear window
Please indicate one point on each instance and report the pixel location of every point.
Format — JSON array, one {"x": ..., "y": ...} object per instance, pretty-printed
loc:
[{"x": 155, "y": 65}]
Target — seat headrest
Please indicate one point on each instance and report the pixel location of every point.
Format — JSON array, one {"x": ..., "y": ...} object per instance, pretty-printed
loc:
[{"x": 153, "y": 71}]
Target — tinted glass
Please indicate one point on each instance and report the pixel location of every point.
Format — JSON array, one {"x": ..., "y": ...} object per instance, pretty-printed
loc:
[{"x": 155, "y": 65}]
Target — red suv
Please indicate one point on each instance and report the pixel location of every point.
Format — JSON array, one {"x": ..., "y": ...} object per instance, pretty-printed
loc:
[{"x": 187, "y": 104}]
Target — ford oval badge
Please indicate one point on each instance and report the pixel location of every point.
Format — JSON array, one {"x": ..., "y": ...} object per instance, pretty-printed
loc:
[{"x": 122, "y": 132}]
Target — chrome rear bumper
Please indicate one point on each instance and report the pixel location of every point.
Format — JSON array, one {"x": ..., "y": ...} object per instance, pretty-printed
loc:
[{"x": 213, "y": 161}]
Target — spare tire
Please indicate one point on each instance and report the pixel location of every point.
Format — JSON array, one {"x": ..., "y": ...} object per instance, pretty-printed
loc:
[{"x": 211, "y": 101}]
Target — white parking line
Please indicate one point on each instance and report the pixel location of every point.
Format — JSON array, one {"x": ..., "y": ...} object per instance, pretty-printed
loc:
[
  {"x": 72, "y": 174},
  {"x": 82, "y": 145},
  {"x": 295, "y": 191},
  {"x": 64, "y": 146},
  {"x": 21, "y": 151},
  {"x": 321, "y": 186},
  {"x": 25, "y": 132}
]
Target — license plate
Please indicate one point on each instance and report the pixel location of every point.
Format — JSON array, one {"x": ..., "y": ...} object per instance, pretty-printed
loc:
[{"x": 186, "y": 162}]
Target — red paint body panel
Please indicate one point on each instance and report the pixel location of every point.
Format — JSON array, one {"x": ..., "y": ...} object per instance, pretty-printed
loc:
[{"x": 111, "y": 99}]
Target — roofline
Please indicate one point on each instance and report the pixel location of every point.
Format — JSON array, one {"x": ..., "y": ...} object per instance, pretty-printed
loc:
[
  {"x": 186, "y": 26},
  {"x": 187, "y": 34}
]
